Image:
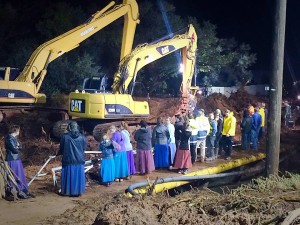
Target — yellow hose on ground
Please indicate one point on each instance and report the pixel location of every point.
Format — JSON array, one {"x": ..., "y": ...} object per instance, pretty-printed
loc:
[{"x": 211, "y": 170}]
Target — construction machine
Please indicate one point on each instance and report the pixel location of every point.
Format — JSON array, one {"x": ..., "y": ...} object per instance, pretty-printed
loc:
[
  {"x": 102, "y": 107},
  {"x": 24, "y": 87}
]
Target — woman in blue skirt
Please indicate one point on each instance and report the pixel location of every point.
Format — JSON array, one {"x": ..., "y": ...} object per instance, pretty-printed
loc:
[
  {"x": 129, "y": 148},
  {"x": 160, "y": 137},
  {"x": 72, "y": 147},
  {"x": 107, "y": 169},
  {"x": 120, "y": 156}
]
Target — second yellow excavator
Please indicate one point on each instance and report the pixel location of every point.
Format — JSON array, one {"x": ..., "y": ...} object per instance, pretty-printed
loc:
[{"x": 94, "y": 103}]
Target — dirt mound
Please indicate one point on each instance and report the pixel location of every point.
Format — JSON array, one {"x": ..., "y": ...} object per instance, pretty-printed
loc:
[
  {"x": 163, "y": 107},
  {"x": 243, "y": 205}
]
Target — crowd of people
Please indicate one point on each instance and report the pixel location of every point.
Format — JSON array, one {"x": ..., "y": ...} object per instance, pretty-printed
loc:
[
  {"x": 173, "y": 145},
  {"x": 179, "y": 145}
]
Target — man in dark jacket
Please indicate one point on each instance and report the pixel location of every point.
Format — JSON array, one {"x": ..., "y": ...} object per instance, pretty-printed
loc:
[
  {"x": 72, "y": 147},
  {"x": 219, "y": 119},
  {"x": 246, "y": 130},
  {"x": 256, "y": 123},
  {"x": 160, "y": 138}
]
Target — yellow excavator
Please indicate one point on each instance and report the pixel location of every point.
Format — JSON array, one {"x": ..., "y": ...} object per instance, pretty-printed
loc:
[
  {"x": 23, "y": 87},
  {"x": 92, "y": 102}
]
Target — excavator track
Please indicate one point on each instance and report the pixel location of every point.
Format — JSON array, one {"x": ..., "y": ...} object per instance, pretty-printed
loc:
[{"x": 97, "y": 128}]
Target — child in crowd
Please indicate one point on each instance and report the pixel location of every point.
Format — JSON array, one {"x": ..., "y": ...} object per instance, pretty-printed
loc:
[{"x": 107, "y": 169}]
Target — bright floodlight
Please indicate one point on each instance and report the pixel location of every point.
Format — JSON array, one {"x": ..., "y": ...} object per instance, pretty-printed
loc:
[
  {"x": 181, "y": 68},
  {"x": 298, "y": 97}
]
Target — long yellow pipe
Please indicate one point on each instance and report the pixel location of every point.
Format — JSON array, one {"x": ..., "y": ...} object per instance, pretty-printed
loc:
[{"x": 211, "y": 170}]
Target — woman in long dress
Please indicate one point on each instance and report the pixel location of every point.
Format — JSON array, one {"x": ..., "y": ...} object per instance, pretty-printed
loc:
[
  {"x": 171, "y": 141},
  {"x": 107, "y": 169},
  {"x": 128, "y": 147},
  {"x": 13, "y": 148},
  {"x": 120, "y": 157},
  {"x": 72, "y": 147},
  {"x": 160, "y": 138},
  {"x": 144, "y": 158},
  {"x": 183, "y": 155}
]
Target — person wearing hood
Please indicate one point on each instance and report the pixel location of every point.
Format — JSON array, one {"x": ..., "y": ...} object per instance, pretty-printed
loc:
[
  {"x": 144, "y": 159},
  {"x": 228, "y": 133},
  {"x": 72, "y": 147},
  {"x": 160, "y": 139}
]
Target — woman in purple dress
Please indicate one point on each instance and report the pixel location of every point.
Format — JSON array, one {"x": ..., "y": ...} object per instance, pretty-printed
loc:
[
  {"x": 120, "y": 157},
  {"x": 13, "y": 148}
]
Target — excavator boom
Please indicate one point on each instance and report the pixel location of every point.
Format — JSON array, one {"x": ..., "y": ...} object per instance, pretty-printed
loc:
[
  {"x": 145, "y": 54},
  {"x": 25, "y": 88},
  {"x": 96, "y": 104},
  {"x": 101, "y": 107}
]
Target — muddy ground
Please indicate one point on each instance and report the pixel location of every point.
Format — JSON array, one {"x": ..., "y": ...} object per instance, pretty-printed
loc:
[{"x": 102, "y": 205}]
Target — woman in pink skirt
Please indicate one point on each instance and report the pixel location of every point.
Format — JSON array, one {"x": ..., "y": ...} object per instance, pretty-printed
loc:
[
  {"x": 183, "y": 155},
  {"x": 144, "y": 160}
]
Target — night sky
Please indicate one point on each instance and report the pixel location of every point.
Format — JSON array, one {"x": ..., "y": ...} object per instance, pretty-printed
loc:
[
  {"x": 248, "y": 21},
  {"x": 251, "y": 22}
]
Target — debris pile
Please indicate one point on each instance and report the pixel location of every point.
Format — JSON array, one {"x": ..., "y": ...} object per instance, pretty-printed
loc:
[{"x": 263, "y": 201}]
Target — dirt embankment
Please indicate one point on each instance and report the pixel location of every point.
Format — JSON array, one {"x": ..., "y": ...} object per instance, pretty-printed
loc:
[{"x": 263, "y": 201}]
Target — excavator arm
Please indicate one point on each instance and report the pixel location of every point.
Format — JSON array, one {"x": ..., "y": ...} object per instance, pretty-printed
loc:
[
  {"x": 119, "y": 105},
  {"x": 145, "y": 54},
  {"x": 36, "y": 68}
]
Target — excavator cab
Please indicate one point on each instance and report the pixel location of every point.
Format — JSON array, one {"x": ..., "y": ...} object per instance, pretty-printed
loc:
[
  {"x": 9, "y": 74},
  {"x": 96, "y": 85}
]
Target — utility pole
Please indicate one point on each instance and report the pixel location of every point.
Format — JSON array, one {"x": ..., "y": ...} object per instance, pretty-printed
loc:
[{"x": 275, "y": 98}]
